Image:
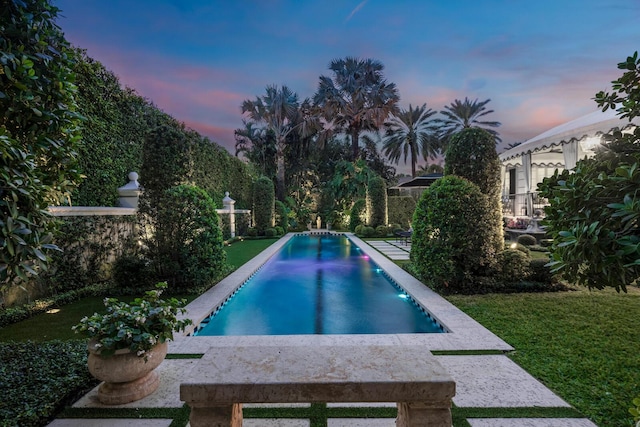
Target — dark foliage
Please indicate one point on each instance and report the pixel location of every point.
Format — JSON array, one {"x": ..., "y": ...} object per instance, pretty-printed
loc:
[
  {"x": 38, "y": 379},
  {"x": 263, "y": 204}
]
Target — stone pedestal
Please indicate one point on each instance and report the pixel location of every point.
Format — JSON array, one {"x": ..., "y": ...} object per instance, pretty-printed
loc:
[
  {"x": 418, "y": 414},
  {"x": 129, "y": 194},
  {"x": 216, "y": 416}
]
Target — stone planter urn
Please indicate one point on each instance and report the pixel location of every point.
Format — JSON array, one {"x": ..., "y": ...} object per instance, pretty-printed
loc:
[{"x": 127, "y": 377}]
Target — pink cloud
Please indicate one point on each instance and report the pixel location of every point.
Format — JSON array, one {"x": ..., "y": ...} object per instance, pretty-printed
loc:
[{"x": 219, "y": 134}]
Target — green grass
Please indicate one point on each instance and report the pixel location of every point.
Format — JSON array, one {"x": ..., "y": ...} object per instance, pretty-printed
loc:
[
  {"x": 52, "y": 326},
  {"x": 242, "y": 251},
  {"x": 583, "y": 345},
  {"x": 57, "y": 326}
]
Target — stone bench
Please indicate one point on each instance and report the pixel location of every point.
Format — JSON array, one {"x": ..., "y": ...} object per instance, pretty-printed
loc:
[{"x": 227, "y": 377}]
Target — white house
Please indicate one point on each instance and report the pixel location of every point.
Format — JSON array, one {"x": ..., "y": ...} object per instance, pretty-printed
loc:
[{"x": 524, "y": 166}]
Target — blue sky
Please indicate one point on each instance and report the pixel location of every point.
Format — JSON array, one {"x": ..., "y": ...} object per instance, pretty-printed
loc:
[{"x": 540, "y": 62}]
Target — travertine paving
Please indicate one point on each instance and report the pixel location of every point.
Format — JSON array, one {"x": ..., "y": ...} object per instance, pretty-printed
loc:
[{"x": 482, "y": 381}]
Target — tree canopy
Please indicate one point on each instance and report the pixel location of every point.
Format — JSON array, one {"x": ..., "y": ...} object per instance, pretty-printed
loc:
[
  {"x": 410, "y": 133},
  {"x": 356, "y": 98},
  {"x": 39, "y": 133},
  {"x": 466, "y": 114},
  {"x": 594, "y": 210}
]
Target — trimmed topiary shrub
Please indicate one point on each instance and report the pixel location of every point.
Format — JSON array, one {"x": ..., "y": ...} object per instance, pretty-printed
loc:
[
  {"x": 540, "y": 272},
  {"x": 252, "y": 232},
  {"x": 526, "y": 240},
  {"x": 377, "y": 202},
  {"x": 270, "y": 232},
  {"x": 368, "y": 231},
  {"x": 472, "y": 154},
  {"x": 279, "y": 231},
  {"x": 382, "y": 231},
  {"x": 451, "y": 244},
  {"x": 520, "y": 247},
  {"x": 264, "y": 196},
  {"x": 356, "y": 217},
  {"x": 190, "y": 255},
  {"x": 358, "y": 229},
  {"x": 282, "y": 215},
  {"x": 514, "y": 266},
  {"x": 401, "y": 210}
]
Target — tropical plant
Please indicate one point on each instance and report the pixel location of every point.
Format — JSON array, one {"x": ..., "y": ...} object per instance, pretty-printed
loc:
[
  {"x": 465, "y": 114},
  {"x": 410, "y": 133},
  {"x": 356, "y": 99},
  {"x": 279, "y": 110},
  {"x": 39, "y": 134},
  {"x": 429, "y": 168},
  {"x": 349, "y": 183},
  {"x": 138, "y": 326},
  {"x": 258, "y": 146},
  {"x": 373, "y": 158},
  {"x": 594, "y": 211}
]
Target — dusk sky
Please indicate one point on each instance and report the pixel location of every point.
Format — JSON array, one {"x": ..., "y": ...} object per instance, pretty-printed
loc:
[{"x": 540, "y": 62}]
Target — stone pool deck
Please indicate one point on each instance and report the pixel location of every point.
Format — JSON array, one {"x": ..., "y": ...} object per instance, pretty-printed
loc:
[{"x": 484, "y": 382}]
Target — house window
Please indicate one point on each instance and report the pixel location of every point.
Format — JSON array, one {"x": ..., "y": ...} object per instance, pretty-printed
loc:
[{"x": 512, "y": 181}]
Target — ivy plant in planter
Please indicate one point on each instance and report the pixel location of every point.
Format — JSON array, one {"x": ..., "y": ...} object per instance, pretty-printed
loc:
[{"x": 129, "y": 341}]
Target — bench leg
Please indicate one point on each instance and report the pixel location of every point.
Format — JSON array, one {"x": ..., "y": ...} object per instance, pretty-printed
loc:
[
  {"x": 216, "y": 416},
  {"x": 417, "y": 414}
]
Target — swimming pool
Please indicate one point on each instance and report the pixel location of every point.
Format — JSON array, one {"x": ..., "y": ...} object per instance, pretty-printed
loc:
[{"x": 319, "y": 284}]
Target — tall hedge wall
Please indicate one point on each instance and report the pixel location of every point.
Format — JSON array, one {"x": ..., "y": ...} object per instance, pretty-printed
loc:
[
  {"x": 264, "y": 196},
  {"x": 401, "y": 210},
  {"x": 117, "y": 120},
  {"x": 216, "y": 172},
  {"x": 113, "y": 131}
]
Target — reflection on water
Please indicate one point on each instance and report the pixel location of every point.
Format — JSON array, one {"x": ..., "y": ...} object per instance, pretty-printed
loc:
[{"x": 319, "y": 285}]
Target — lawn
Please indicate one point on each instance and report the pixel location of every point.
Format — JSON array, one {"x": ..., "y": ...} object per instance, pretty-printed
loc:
[
  {"x": 583, "y": 345},
  {"x": 57, "y": 325},
  {"x": 242, "y": 251}
]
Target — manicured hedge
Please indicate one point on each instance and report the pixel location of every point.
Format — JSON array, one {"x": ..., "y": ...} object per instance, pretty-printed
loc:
[
  {"x": 451, "y": 247},
  {"x": 264, "y": 197},
  {"x": 356, "y": 217},
  {"x": 377, "y": 202},
  {"x": 401, "y": 210},
  {"x": 190, "y": 255}
]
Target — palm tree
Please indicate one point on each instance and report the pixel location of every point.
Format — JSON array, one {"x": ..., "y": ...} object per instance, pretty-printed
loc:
[
  {"x": 409, "y": 134},
  {"x": 277, "y": 110},
  {"x": 257, "y": 145},
  {"x": 465, "y": 114},
  {"x": 429, "y": 168},
  {"x": 356, "y": 99}
]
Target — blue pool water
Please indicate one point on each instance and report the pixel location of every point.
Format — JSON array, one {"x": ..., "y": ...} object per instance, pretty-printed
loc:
[{"x": 319, "y": 285}]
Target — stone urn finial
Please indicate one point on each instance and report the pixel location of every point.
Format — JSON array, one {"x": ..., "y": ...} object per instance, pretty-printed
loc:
[{"x": 129, "y": 193}]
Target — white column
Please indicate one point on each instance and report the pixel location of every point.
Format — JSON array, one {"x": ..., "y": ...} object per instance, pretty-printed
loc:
[{"x": 228, "y": 204}]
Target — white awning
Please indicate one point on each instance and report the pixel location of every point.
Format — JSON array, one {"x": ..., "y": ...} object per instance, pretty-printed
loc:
[{"x": 594, "y": 124}]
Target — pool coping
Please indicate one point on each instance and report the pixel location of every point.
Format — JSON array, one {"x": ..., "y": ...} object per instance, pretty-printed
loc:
[{"x": 464, "y": 333}]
